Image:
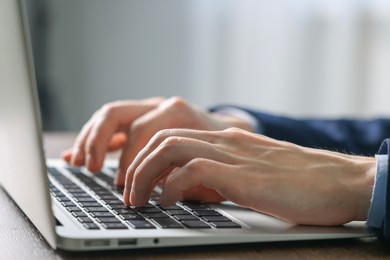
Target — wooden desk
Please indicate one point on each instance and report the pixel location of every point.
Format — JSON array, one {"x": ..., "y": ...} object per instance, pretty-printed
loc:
[{"x": 20, "y": 240}]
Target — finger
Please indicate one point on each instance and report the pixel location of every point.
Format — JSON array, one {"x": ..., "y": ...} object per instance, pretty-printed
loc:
[
  {"x": 171, "y": 113},
  {"x": 142, "y": 129},
  {"x": 131, "y": 152},
  {"x": 140, "y": 132},
  {"x": 66, "y": 155},
  {"x": 78, "y": 151},
  {"x": 158, "y": 181},
  {"x": 117, "y": 142},
  {"x": 115, "y": 117},
  {"x": 135, "y": 158},
  {"x": 175, "y": 151},
  {"x": 199, "y": 172}
]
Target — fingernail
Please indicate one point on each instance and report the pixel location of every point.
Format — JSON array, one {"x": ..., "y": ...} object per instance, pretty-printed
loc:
[
  {"x": 126, "y": 197},
  {"x": 73, "y": 155},
  {"x": 90, "y": 161},
  {"x": 132, "y": 197}
]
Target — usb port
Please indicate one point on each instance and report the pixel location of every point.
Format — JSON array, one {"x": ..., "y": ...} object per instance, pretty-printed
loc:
[{"x": 127, "y": 242}]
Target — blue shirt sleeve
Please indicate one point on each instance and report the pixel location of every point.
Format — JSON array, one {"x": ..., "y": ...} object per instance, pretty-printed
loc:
[
  {"x": 376, "y": 213},
  {"x": 384, "y": 200}
]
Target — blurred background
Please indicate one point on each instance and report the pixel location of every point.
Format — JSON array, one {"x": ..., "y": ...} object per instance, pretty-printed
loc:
[{"x": 299, "y": 58}]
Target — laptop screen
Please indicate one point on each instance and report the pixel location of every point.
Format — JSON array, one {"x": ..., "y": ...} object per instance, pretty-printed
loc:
[{"x": 23, "y": 174}]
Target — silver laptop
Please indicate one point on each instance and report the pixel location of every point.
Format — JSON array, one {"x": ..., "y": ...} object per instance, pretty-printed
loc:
[{"x": 76, "y": 210}]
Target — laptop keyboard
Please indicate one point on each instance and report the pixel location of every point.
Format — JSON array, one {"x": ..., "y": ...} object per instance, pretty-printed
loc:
[{"x": 97, "y": 207}]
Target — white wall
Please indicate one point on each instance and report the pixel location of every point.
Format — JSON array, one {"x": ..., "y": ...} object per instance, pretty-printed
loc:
[{"x": 295, "y": 57}]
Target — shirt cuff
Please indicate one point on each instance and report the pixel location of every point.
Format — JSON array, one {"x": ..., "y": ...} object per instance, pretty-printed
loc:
[
  {"x": 376, "y": 213},
  {"x": 243, "y": 115}
]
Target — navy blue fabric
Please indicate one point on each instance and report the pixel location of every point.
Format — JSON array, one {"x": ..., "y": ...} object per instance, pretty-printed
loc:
[
  {"x": 361, "y": 137},
  {"x": 385, "y": 149}
]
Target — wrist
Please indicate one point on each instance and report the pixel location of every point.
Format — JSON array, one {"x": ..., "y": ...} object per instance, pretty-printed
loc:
[
  {"x": 235, "y": 117},
  {"x": 364, "y": 186},
  {"x": 229, "y": 121}
]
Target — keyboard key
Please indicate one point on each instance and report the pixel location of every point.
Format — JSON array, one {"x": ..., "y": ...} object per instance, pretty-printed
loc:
[
  {"x": 229, "y": 224},
  {"x": 131, "y": 217},
  {"x": 216, "y": 218},
  {"x": 148, "y": 205},
  {"x": 119, "y": 190},
  {"x": 62, "y": 198},
  {"x": 195, "y": 206},
  {"x": 90, "y": 204},
  {"x": 73, "y": 209},
  {"x": 207, "y": 212},
  {"x": 80, "y": 195},
  {"x": 114, "y": 202},
  {"x": 156, "y": 215},
  {"x": 107, "y": 197},
  {"x": 167, "y": 223},
  {"x": 114, "y": 226},
  {"x": 89, "y": 225},
  {"x": 124, "y": 211},
  {"x": 174, "y": 207},
  {"x": 102, "y": 214},
  {"x": 99, "y": 190},
  {"x": 86, "y": 199},
  {"x": 119, "y": 206},
  {"x": 57, "y": 192},
  {"x": 148, "y": 210},
  {"x": 68, "y": 204},
  {"x": 104, "y": 177},
  {"x": 178, "y": 212},
  {"x": 108, "y": 220},
  {"x": 79, "y": 214},
  {"x": 84, "y": 219},
  {"x": 53, "y": 171},
  {"x": 96, "y": 209},
  {"x": 140, "y": 224},
  {"x": 195, "y": 224},
  {"x": 186, "y": 217},
  {"x": 75, "y": 190}
]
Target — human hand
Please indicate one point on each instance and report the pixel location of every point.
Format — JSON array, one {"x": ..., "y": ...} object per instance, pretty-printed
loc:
[
  {"x": 294, "y": 183},
  {"x": 128, "y": 125}
]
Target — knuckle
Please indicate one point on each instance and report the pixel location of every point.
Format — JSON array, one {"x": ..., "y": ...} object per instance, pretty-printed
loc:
[
  {"x": 233, "y": 133},
  {"x": 195, "y": 165},
  {"x": 109, "y": 109},
  {"x": 161, "y": 135},
  {"x": 169, "y": 144},
  {"x": 175, "y": 103},
  {"x": 233, "y": 130},
  {"x": 171, "y": 140}
]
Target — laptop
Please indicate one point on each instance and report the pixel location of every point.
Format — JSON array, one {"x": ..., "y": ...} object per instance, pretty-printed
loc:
[{"x": 76, "y": 210}]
